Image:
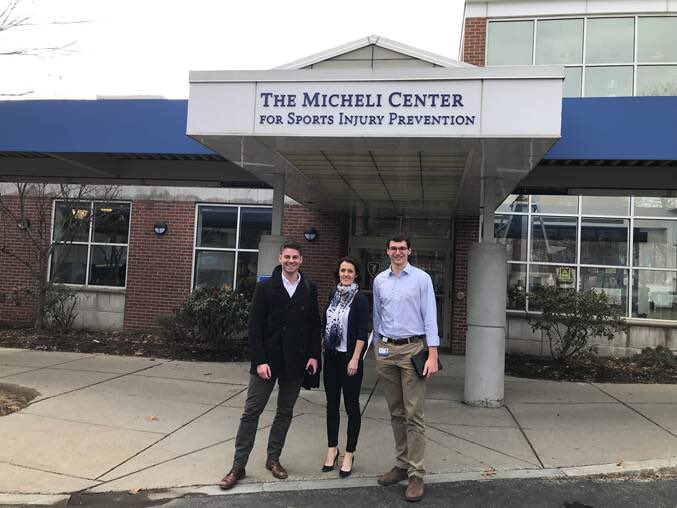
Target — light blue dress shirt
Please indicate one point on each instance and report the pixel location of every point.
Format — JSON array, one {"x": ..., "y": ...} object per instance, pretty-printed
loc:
[{"x": 405, "y": 306}]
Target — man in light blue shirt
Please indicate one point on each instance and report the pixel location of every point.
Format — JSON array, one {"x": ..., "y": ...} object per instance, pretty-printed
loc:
[{"x": 405, "y": 323}]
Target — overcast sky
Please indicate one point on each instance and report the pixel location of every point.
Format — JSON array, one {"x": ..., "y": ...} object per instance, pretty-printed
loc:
[{"x": 147, "y": 47}]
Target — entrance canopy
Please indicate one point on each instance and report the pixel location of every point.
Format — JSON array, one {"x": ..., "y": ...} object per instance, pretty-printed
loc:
[{"x": 392, "y": 140}]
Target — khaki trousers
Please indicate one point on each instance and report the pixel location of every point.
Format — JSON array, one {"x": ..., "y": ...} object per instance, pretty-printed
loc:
[{"x": 405, "y": 393}]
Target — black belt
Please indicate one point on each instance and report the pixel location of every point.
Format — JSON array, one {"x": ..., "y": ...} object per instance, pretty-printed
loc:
[{"x": 404, "y": 340}]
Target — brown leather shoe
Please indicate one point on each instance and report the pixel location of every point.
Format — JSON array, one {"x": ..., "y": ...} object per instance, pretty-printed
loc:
[
  {"x": 415, "y": 489},
  {"x": 274, "y": 466},
  {"x": 230, "y": 480},
  {"x": 392, "y": 477}
]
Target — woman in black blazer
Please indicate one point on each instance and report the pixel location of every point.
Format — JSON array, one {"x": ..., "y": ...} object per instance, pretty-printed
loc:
[{"x": 345, "y": 322}]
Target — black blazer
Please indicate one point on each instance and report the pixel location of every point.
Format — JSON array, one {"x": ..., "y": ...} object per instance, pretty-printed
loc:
[
  {"x": 358, "y": 320},
  {"x": 284, "y": 332}
]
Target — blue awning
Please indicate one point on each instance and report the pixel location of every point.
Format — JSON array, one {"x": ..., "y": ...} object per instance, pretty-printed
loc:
[
  {"x": 617, "y": 129},
  {"x": 151, "y": 126}
]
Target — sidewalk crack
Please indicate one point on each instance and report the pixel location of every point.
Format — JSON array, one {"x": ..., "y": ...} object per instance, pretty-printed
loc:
[{"x": 524, "y": 434}]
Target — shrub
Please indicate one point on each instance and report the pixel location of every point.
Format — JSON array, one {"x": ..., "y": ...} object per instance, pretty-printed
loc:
[
  {"x": 60, "y": 307},
  {"x": 214, "y": 315},
  {"x": 570, "y": 318},
  {"x": 659, "y": 357}
]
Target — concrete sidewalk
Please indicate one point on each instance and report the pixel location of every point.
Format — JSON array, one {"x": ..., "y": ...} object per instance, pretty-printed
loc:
[{"x": 106, "y": 423}]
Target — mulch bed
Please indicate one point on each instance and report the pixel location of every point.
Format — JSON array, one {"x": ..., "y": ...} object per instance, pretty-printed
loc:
[
  {"x": 150, "y": 345},
  {"x": 592, "y": 370},
  {"x": 14, "y": 398}
]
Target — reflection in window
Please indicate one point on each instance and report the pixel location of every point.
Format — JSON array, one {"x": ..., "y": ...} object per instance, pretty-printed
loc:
[
  {"x": 654, "y": 294},
  {"x": 572, "y": 82},
  {"x": 657, "y": 80},
  {"x": 111, "y": 223},
  {"x": 510, "y": 43},
  {"x": 610, "y": 40},
  {"x": 511, "y": 231},
  {"x": 217, "y": 226},
  {"x": 655, "y": 207},
  {"x": 226, "y": 251},
  {"x": 553, "y": 239},
  {"x": 543, "y": 276},
  {"x": 514, "y": 203},
  {"x": 612, "y": 281},
  {"x": 517, "y": 277},
  {"x": 69, "y": 264},
  {"x": 654, "y": 243},
  {"x": 554, "y": 204},
  {"x": 108, "y": 265},
  {"x": 604, "y": 205},
  {"x": 604, "y": 241},
  {"x": 608, "y": 81},
  {"x": 71, "y": 221},
  {"x": 657, "y": 39},
  {"x": 559, "y": 41},
  {"x": 214, "y": 269}
]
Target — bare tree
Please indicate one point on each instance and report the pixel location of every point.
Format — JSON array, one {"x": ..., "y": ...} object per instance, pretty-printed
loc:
[
  {"x": 13, "y": 18},
  {"x": 26, "y": 229}
]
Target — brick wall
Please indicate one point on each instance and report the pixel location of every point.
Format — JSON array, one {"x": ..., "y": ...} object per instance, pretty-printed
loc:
[
  {"x": 474, "y": 41},
  {"x": 13, "y": 275},
  {"x": 465, "y": 235},
  {"x": 159, "y": 267},
  {"x": 321, "y": 255}
]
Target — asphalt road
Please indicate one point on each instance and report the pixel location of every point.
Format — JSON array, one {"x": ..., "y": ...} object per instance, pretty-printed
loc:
[{"x": 551, "y": 493}]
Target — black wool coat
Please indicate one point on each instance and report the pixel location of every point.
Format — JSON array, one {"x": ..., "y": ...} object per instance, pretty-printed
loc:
[
  {"x": 358, "y": 321},
  {"x": 284, "y": 332}
]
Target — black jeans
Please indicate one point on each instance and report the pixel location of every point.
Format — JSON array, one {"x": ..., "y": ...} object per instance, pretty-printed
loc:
[
  {"x": 336, "y": 378},
  {"x": 257, "y": 397}
]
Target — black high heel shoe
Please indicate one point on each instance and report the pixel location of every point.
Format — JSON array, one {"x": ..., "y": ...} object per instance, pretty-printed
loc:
[
  {"x": 326, "y": 468},
  {"x": 346, "y": 474}
]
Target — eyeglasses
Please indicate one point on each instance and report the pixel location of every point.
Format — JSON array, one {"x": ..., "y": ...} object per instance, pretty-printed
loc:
[{"x": 395, "y": 249}]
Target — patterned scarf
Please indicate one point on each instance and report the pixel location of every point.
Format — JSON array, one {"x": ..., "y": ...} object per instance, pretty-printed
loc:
[{"x": 340, "y": 303}]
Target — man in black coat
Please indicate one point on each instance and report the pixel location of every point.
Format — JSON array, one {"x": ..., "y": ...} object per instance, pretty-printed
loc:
[{"x": 284, "y": 342}]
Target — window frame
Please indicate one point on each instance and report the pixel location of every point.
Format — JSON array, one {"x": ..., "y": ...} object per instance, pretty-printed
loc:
[
  {"x": 89, "y": 243},
  {"x": 634, "y": 63},
  {"x": 236, "y": 250}
]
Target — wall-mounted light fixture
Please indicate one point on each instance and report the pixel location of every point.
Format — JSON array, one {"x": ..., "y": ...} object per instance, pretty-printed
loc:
[
  {"x": 310, "y": 234},
  {"x": 160, "y": 228},
  {"x": 23, "y": 223}
]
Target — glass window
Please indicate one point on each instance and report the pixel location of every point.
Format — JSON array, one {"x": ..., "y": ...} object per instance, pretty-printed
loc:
[
  {"x": 610, "y": 40},
  {"x": 369, "y": 225},
  {"x": 654, "y": 243},
  {"x": 657, "y": 80},
  {"x": 214, "y": 268},
  {"x": 511, "y": 231},
  {"x": 657, "y": 39},
  {"x": 69, "y": 264},
  {"x": 510, "y": 43},
  {"x": 572, "y": 82},
  {"x": 426, "y": 227},
  {"x": 111, "y": 223},
  {"x": 604, "y": 241},
  {"x": 548, "y": 275},
  {"x": 559, "y": 41},
  {"x": 247, "y": 267},
  {"x": 71, "y": 222},
  {"x": 554, "y": 204},
  {"x": 108, "y": 265},
  {"x": 654, "y": 294},
  {"x": 605, "y": 205},
  {"x": 517, "y": 277},
  {"x": 219, "y": 259},
  {"x": 553, "y": 239},
  {"x": 84, "y": 254},
  {"x": 254, "y": 222},
  {"x": 608, "y": 81},
  {"x": 514, "y": 203},
  {"x": 612, "y": 281},
  {"x": 217, "y": 226},
  {"x": 655, "y": 207}
]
